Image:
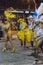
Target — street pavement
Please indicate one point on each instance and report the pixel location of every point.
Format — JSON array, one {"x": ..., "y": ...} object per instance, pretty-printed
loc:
[{"x": 20, "y": 57}]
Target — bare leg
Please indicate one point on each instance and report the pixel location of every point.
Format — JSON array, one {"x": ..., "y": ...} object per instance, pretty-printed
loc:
[
  {"x": 12, "y": 44},
  {"x": 5, "y": 45}
]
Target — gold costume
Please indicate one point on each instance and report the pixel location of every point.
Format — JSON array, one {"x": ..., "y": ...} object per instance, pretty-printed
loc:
[{"x": 8, "y": 33}]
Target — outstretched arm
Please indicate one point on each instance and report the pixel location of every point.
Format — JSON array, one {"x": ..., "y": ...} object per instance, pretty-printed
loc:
[{"x": 35, "y": 5}]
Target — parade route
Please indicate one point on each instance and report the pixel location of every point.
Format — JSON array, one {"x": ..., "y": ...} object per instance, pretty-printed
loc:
[
  {"x": 20, "y": 57},
  {"x": 21, "y": 27}
]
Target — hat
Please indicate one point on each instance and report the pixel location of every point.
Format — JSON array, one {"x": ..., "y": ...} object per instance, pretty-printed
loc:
[
  {"x": 9, "y": 15},
  {"x": 21, "y": 20},
  {"x": 30, "y": 17}
]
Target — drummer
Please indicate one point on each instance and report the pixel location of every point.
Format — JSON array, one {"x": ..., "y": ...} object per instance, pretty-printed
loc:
[
  {"x": 41, "y": 30},
  {"x": 31, "y": 26},
  {"x": 39, "y": 37}
]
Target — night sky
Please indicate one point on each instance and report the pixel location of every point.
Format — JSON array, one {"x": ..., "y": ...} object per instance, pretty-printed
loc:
[
  {"x": 15, "y": 3},
  {"x": 7, "y": 3}
]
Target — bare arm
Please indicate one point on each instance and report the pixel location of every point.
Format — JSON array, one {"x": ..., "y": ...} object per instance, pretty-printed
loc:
[{"x": 35, "y": 5}]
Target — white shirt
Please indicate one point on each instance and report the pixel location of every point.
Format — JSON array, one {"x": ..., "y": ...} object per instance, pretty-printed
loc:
[
  {"x": 30, "y": 27},
  {"x": 41, "y": 18},
  {"x": 40, "y": 9},
  {"x": 38, "y": 31}
]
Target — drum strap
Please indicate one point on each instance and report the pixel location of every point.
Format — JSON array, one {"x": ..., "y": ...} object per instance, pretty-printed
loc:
[{"x": 39, "y": 37}]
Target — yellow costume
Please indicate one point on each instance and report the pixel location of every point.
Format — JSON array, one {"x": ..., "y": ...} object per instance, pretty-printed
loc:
[
  {"x": 7, "y": 27},
  {"x": 28, "y": 34},
  {"x": 9, "y": 15},
  {"x": 20, "y": 35},
  {"x": 8, "y": 33},
  {"x": 24, "y": 34}
]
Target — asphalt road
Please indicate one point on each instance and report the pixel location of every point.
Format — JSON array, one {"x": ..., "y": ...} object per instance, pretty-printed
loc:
[{"x": 20, "y": 57}]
